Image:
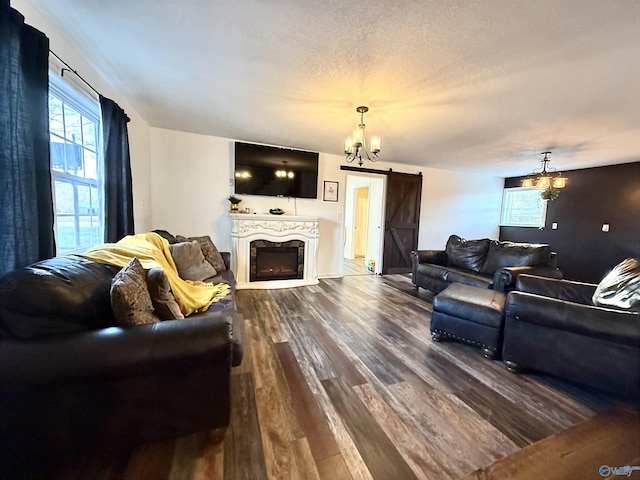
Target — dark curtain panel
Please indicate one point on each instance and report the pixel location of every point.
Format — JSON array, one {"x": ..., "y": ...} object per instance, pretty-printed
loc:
[
  {"x": 117, "y": 167},
  {"x": 26, "y": 202}
]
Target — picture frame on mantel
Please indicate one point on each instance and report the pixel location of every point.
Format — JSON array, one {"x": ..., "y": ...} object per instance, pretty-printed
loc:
[{"x": 330, "y": 191}]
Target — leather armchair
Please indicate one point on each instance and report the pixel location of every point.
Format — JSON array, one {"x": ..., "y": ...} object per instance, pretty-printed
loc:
[{"x": 551, "y": 326}]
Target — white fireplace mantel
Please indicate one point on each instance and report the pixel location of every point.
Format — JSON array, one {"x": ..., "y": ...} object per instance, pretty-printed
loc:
[{"x": 246, "y": 228}]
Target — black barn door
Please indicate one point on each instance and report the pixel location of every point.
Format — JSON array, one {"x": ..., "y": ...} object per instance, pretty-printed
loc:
[{"x": 402, "y": 219}]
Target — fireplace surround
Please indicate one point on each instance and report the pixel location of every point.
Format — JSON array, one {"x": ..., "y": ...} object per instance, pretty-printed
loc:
[{"x": 274, "y": 251}]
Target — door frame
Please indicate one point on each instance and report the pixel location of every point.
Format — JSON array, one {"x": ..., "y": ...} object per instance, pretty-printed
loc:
[{"x": 376, "y": 175}]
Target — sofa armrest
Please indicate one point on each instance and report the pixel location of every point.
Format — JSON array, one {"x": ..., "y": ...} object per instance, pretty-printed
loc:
[
  {"x": 504, "y": 280},
  {"x": 114, "y": 353},
  {"x": 438, "y": 257},
  {"x": 578, "y": 292},
  {"x": 616, "y": 326}
]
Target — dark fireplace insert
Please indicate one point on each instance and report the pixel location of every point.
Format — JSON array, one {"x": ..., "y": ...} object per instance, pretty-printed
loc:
[{"x": 276, "y": 260}]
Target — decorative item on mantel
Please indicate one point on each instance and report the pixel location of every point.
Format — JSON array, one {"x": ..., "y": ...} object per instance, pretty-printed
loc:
[
  {"x": 355, "y": 147},
  {"x": 235, "y": 201},
  {"x": 542, "y": 180}
]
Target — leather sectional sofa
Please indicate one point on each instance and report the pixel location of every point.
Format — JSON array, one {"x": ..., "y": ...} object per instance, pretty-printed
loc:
[
  {"x": 70, "y": 379},
  {"x": 552, "y": 326},
  {"x": 481, "y": 263}
]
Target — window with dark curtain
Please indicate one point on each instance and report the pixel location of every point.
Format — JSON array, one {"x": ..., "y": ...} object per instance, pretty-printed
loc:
[{"x": 26, "y": 212}]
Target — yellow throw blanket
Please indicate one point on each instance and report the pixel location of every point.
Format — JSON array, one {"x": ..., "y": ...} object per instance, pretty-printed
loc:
[{"x": 153, "y": 251}]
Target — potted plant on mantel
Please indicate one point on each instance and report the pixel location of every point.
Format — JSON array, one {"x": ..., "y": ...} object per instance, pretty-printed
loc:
[{"x": 235, "y": 201}]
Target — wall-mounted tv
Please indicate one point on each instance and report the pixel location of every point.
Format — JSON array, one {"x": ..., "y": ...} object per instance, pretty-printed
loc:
[{"x": 262, "y": 170}]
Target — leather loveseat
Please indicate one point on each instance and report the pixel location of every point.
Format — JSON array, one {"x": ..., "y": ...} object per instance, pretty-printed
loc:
[
  {"x": 71, "y": 380},
  {"x": 481, "y": 263},
  {"x": 552, "y": 326}
]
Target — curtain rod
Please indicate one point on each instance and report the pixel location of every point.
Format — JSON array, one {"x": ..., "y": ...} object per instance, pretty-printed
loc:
[{"x": 69, "y": 69}]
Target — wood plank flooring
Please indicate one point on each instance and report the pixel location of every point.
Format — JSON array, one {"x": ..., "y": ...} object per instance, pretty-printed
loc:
[
  {"x": 355, "y": 266},
  {"x": 341, "y": 381}
]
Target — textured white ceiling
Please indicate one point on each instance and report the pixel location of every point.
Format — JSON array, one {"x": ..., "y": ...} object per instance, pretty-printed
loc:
[{"x": 475, "y": 85}]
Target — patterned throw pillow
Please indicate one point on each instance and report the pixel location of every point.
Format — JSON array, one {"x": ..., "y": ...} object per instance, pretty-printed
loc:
[
  {"x": 620, "y": 288},
  {"x": 209, "y": 250},
  {"x": 164, "y": 303},
  {"x": 190, "y": 262},
  {"x": 130, "y": 298}
]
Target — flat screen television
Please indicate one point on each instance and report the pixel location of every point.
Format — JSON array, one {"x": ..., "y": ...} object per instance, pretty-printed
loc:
[{"x": 274, "y": 171}]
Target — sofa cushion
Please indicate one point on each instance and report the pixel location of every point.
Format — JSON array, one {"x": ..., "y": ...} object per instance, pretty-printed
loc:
[
  {"x": 209, "y": 250},
  {"x": 620, "y": 288},
  {"x": 56, "y": 296},
  {"x": 457, "y": 275},
  {"x": 190, "y": 261},
  {"x": 130, "y": 298},
  {"x": 164, "y": 303},
  {"x": 468, "y": 254},
  {"x": 509, "y": 254}
]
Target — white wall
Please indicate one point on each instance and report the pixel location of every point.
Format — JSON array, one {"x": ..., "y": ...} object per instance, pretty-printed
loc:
[
  {"x": 191, "y": 175},
  {"x": 138, "y": 128}
]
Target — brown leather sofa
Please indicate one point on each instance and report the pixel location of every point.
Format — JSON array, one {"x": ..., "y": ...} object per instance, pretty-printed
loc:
[
  {"x": 70, "y": 380},
  {"x": 481, "y": 263}
]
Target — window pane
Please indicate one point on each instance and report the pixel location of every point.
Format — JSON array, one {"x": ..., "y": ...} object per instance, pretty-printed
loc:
[
  {"x": 73, "y": 156},
  {"x": 90, "y": 165},
  {"x": 56, "y": 124},
  {"x": 523, "y": 207},
  {"x": 65, "y": 233},
  {"x": 57, "y": 153},
  {"x": 72, "y": 125},
  {"x": 84, "y": 200},
  {"x": 89, "y": 133},
  {"x": 86, "y": 231},
  {"x": 64, "y": 198}
]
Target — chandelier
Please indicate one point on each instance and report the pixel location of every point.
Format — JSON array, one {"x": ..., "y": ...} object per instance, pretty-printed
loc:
[
  {"x": 542, "y": 179},
  {"x": 355, "y": 146}
]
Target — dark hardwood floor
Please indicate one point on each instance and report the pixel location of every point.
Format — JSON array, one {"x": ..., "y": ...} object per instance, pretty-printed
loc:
[{"x": 341, "y": 381}]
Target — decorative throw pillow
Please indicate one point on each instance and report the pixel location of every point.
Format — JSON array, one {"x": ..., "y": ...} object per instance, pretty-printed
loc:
[
  {"x": 190, "y": 262},
  {"x": 164, "y": 303},
  {"x": 209, "y": 250},
  {"x": 620, "y": 288},
  {"x": 467, "y": 254},
  {"x": 130, "y": 298}
]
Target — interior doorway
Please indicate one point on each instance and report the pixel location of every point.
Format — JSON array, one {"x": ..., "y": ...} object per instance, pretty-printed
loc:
[{"x": 364, "y": 205}]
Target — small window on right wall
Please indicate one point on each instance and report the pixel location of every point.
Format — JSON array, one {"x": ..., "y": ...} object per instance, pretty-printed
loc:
[{"x": 523, "y": 207}]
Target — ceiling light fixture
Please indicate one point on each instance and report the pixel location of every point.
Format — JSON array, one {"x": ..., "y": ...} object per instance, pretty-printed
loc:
[
  {"x": 543, "y": 180},
  {"x": 355, "y": 147}
]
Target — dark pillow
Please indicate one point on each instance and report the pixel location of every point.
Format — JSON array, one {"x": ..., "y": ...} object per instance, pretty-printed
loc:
[
  {"x": 468, "y": 254},
  {"x": 620, "y": 288},
  {"x": 509, "y": 254},
  {"x": 164, "y": 303},
  {"x": 190, "y": 262},
  {"x": 130, "y": 298},
  {"x": 209, "y": 250},
  {"x": 167, "y": 236}
]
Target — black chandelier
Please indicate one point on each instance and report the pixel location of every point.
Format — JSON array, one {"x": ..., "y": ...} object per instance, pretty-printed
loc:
[
  {"x": 355, "y": 147},
  {"x": 542, "y": 179}
]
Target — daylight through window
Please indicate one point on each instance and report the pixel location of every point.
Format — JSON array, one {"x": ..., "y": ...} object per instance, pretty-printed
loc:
[
  {"x": 76, "y": 167},
  {"x": 523, "y": 207}
]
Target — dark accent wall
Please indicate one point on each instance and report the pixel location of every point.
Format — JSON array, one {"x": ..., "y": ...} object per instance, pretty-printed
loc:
[{"x": 592, "y": 197}]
